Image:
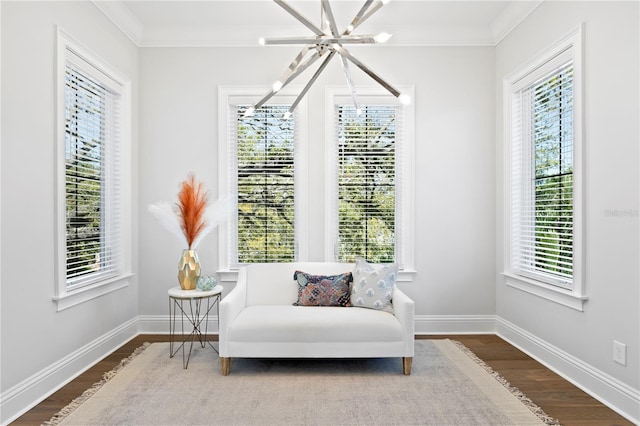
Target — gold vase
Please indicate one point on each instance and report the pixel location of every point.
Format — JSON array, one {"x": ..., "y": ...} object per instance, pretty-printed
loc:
[{"x": 188, "y": 269}]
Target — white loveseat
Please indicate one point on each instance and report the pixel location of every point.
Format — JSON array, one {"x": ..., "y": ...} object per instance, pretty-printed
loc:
[{"x": 258, "y": 319}]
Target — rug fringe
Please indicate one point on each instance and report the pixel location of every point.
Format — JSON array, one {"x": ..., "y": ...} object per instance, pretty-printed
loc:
[
  {"x": 77, "y": 402},
  {"x": 534, "y": 408}
]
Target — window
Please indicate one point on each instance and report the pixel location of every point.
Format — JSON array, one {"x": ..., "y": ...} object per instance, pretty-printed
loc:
[
  {"x": 545, "y": 212},
  {"x": 92, "y": 143},
  {"x": 260, "y": 163},
  {"x": 265, "y": 185},
  {"x": 545, "y": 169},
  {"x": 370, "y": 200},
  {"x": 367, "y": 180}
]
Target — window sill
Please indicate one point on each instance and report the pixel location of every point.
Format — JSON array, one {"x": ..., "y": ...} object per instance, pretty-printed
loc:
[
  {"x": 546, "y": 291},
  {"x": 75, "y": 297},
  {"x": 406, "y": 275},
  {"x": 231, "y": 275},
  {"x": 227, "y": 275}
]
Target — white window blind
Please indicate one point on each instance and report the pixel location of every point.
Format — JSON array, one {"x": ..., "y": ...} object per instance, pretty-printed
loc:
[
  {"x": 92, "y": 144},
  {"x": 367, "y": 179},
  {"x": 262, "y": 171},
  {"x": 542, "y": 177}
]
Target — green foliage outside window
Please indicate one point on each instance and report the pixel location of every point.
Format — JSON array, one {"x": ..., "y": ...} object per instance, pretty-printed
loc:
[
  {"x": 84, "y": 133},
  {"x": 366, "y": 183},
  {"x": 265, "y": 179},
  {"x": 553, "y": 134}
]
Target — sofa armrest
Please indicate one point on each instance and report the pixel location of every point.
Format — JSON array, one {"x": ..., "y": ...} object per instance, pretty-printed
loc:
[
  {"x": 230, "y": 307},
  {"x": 403, "y": 309}
]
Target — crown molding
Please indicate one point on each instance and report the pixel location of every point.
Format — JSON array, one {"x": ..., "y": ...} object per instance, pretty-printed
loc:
[
  {"x": 511, "y": 17},
  {"x": 247, "y": 35},
  {"x": 123, "y": 18}
]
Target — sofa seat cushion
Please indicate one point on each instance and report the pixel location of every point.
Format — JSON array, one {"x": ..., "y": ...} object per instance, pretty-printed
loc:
[{"x": 282, "y": 323}]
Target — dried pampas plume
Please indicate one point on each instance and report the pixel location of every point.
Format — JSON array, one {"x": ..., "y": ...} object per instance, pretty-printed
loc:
[
  {"x": 192, "y": 221},
  {"x": 192, "y": 203},
  {"x": 169, "y": 219},
  {"x": 214, "y": 216}
]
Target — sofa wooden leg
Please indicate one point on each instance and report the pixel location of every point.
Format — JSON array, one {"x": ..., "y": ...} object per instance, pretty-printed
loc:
[
  {"x": 406, "y": 365},
  {"x": 225, "y": 365}
]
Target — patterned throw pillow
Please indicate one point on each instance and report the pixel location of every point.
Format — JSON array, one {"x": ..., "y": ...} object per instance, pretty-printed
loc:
[
  {"x": 323, "y": 290},
  {"x": 373, "y": 285}
]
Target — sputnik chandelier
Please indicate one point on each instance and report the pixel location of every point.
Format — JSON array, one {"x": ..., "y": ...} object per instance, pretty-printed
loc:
[{"x": 326, "y": 42}]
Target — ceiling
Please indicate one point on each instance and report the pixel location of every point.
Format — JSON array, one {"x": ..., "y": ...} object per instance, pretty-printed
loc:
[{"x": 152, "y": 23}]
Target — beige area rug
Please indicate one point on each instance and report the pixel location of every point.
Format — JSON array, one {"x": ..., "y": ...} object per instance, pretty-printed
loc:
[{"x": 448, "y": 386}]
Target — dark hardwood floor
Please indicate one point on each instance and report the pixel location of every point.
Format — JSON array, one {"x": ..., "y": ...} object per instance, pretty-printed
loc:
[{"x": 557, "y": 397}]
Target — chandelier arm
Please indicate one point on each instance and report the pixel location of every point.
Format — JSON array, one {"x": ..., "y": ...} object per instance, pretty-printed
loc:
[
  {"x": 352, "y": 87},
  {"x": 292, "y": 40},
  {"x": 326, "y": 6},
  {"x": 344, "y": 52},
  {"x": 301, "y": 67},
  {"x": 294, "y": 64},
  {"x": 266, "y": 97},
  {"x": 299, "y": 17},
  {"x": 373, "y": 9},
  {"x": 356, "y": 20},
  {"x": 312, "y": 80},
  {"x": 348, "y": 39}
]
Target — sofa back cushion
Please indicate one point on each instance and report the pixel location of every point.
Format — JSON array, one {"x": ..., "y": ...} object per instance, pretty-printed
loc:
[{"x": 273, "y": 283}]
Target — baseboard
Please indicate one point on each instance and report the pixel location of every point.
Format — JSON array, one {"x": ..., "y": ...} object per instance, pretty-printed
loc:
[
  {"x": 455, "y": 324},
  {"x": 30, "y": 392},
  {"x": 424, "y": 324},
  {"x": 618, "y": 396},
  {"x": 610, "y": 391},
  {"x": 159, "y": 324}
]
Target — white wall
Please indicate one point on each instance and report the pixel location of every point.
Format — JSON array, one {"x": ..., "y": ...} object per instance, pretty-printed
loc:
[
  {"x": 458, "y": 167},
  {"x": 611, "y": 46},
  {"x": 454, "y": 159},
  {"x": 35, "y": 336}
]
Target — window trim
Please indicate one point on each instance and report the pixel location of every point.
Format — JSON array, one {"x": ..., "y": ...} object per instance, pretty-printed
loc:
[
  {"x": 341, "y": 94},
  {"x": 228, "y": 95},
  {"x": 573, "y": 297},
  {"x": 63, "y": 296}
]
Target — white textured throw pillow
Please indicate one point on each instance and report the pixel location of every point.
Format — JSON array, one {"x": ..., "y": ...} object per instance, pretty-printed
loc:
[{"x": 373, "y": 285}]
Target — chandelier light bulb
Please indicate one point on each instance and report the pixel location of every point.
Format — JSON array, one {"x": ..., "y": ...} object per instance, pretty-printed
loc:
[
  {"x": 404, "y": 99},
  {"x": 385, "y": 1},
  {"x": 359, "y": 111},
  {"x": 261, "y": 41},
  {"x": 249, "y": 112},
  {"x": 277, "y": 86},
  {"x": 382, "y": 37},
  {"x": 286, "y": 115}
]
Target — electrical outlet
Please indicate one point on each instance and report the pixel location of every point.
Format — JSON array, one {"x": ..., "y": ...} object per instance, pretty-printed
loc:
[{"x": 620, "y": 353}]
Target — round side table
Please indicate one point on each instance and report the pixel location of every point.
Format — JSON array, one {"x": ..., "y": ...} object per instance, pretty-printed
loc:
[{"x": 194, "y": 306}]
